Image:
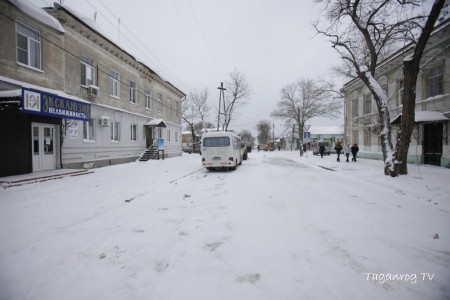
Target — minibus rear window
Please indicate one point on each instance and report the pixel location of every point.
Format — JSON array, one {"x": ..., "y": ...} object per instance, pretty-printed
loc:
[{"x": 220, "y": 141}]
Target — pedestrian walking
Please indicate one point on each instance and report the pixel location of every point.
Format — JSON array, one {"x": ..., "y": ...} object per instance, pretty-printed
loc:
[
  {"x": 321, "y": 150},
  {"x": 338, "y": 149},
  {"x": 354, "y": 150},
  {"x": 347, "y": 151}
]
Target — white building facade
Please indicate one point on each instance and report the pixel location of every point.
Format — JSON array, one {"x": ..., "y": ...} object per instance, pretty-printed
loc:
[
  {"x": 430, "y": 138},
  {"x": 72, "y": 98}
]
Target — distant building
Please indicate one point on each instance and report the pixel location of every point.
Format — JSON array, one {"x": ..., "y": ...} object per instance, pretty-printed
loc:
[
  {"x": 430, "y": 138},
  {"x": 330, "y": 134},
  {"x": 72, "y": 98}
]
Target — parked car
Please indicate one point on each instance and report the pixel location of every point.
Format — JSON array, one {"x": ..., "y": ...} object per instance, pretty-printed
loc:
[{"x": 316, "y": 146}]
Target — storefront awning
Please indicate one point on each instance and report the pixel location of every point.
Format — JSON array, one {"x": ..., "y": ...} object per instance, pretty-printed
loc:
[
  {"x": 423, "y": 117},
  {"x": 156, "y": 123}
]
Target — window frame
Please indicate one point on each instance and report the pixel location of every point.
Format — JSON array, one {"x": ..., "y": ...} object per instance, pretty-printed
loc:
[
  {"x": 133, "y": 92},
  {"x": 435, "y": 82},
  {"x": 133, "y": 132},
  {"x": 159, "y": 103},
  {"x": 355, "y": 107},
  {"x": 89, "y": 131},
  {"x": 367, "y": 137},
  {"x": 87, "y": 64},
  {"x": 114, "y": 84},
  {"x": 367, "y": 104},
  {"x": 400, "y": 91},
  {"x": 148, "y": 98},
  {"x": 30, "y": 49},
  {"x": 115, "y": 131}
]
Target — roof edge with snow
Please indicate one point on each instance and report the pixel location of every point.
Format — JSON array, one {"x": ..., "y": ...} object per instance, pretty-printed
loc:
[{"x": 423, "y": 117}]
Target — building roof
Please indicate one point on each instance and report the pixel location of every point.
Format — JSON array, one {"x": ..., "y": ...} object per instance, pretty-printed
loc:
[
  {"x": 156, "y": 122},
  {"x": 423, "y": 117}
]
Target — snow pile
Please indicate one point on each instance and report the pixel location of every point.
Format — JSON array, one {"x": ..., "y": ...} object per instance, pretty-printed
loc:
[{"x": 37, "y": 13}]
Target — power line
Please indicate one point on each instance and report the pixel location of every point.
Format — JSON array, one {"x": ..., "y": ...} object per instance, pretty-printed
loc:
[
  {"x": 204, "y": 39},
  {"x": 193, "y": 37},
  {"x": 162, "y": 68}
]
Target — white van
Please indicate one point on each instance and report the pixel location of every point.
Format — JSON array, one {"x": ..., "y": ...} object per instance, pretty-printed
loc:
[{"x": 221, "y": 149}]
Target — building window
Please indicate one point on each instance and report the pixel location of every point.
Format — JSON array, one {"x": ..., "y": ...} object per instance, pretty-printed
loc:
[
  {"x": 176, "y": 110},
  {"x": 355, "y": 107},
  {"x": 176, "y": 136},
  {"x": 148, "y": 99},
  {"x": 170, "y": 107},
  {"x": 435, "y": 81},
  {"x": 168, "y": 136},
  {"x": 367, "y": 105},
  {"x": 115, "y": 131},
  {"x": 367, "y": 137},
  {"x": 28, "y": 46},
  {"x": 133, "y": 92},
  {"x": 89, "y": 130},
  {"x": 400, "y": 89},
  {"x": 159, "y": 104},
  {"x": 87, "y": 71},
  {"x": 133, "y": 132},
  {"x": 355, "y": 135},
  {"x": 114, "y": 86}
]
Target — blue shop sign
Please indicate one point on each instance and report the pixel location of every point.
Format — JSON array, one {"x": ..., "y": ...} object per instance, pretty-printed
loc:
[{"x": 42, "y": 103}]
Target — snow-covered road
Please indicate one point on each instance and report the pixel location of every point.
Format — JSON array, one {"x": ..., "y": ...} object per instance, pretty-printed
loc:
[{"x": 279, "y": 227}]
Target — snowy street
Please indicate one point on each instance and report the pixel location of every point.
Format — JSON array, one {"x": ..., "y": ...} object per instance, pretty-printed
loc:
[{"x": 279, "y": 227}]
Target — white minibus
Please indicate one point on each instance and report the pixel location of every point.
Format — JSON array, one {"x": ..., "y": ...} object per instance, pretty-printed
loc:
[{"x": 221, "y": 149}]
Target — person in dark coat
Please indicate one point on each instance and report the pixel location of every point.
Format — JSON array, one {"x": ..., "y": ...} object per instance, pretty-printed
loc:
[
  {"x": 338, "y": 149},
  {"x": 321, "y": 150},
  {"x": 354, "y": 150}
]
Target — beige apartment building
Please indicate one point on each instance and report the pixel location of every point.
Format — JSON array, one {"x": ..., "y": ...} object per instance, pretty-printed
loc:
[
  {"x": 430, "y": 138},
  {"x": 72, "y": 98}
]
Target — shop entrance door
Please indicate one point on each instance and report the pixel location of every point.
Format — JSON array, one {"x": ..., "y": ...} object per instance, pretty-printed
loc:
[{"x": 43, "y": 143}]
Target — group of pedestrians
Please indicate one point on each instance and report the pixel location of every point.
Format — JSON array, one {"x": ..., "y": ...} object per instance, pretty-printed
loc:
[{"x": 347, "y": 150}]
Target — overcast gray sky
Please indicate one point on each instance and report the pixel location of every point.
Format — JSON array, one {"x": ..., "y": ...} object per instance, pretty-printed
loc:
[{"x": 195, "y": 44}]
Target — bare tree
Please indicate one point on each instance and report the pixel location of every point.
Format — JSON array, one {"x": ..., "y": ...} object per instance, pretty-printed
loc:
[
  {"x": 364, "y": 32},
  {"x": 199, "y": 101},
  {"x": 189, "y": 116},
  {"x": 238, "y": 91},
  {"x": 264, "y": 130},
  {"x": 305, "y": 99},
  {"x": 246, "y": 137},
  {"x": 195, "y": 108}
]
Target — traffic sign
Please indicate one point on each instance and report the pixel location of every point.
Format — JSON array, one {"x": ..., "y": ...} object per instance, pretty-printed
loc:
[{"x": 306, "y": 134}]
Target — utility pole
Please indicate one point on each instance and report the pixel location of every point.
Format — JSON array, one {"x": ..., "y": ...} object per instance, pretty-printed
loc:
[{"x": 221, "y": 95}]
